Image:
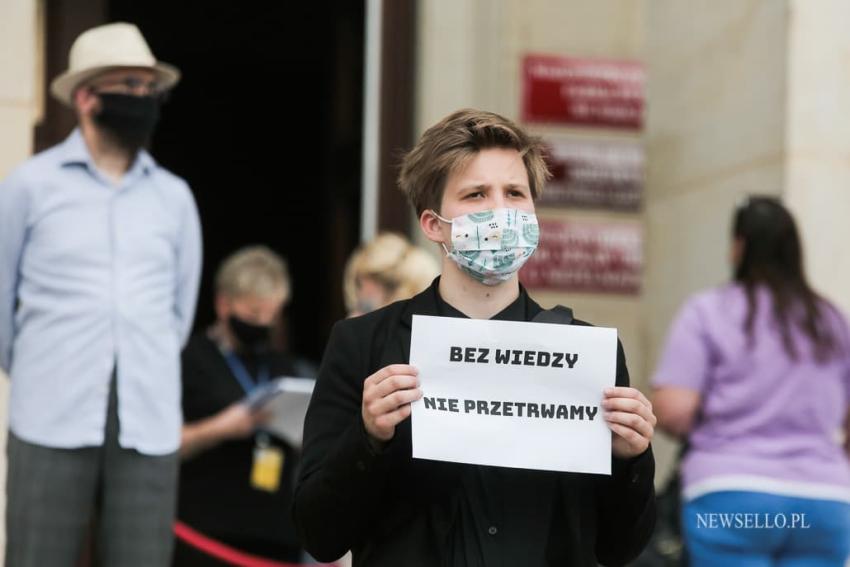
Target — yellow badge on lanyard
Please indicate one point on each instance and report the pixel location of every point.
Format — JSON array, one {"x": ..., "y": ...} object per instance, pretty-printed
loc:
[{"x": 268, "y": 465}]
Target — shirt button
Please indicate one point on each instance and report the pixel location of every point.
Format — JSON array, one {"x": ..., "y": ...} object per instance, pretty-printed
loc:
[
  {"x": 492, "y": 530},
  {"x": 361, "y": 466}
]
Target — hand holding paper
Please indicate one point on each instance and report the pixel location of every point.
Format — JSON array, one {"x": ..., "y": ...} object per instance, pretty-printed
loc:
[
  {"x": 239, "y": 420},
  {"x": 387, "y": 395},
  {"x": 514, "y": 394},
  {"x": 629, "y": 415}
]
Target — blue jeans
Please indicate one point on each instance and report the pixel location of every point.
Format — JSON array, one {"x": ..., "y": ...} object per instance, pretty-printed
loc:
[{"x": 755, "y": 529}]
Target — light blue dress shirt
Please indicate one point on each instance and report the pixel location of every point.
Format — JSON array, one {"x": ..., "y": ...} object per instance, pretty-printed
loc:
[{"x": 95, "y": 276}]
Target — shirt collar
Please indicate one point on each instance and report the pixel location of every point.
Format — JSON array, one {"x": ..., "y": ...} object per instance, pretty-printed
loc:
[
  {"x": 75, "y": 152},
  {"x": 144, "y": 161},
  {"x": 516, "y": 311}
]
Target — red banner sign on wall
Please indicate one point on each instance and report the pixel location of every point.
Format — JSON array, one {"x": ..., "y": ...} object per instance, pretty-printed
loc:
[
  {"x": 582, "y": 92},
  {"x": 606, "y": 174},
  {"x": 586, "y": 256}
]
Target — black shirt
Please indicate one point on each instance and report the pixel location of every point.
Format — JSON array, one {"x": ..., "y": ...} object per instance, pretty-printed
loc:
[
  {"x": 215, "y": 494},
  {"x": 475, "y": 540},
  {"x": 391, "y": 510}
]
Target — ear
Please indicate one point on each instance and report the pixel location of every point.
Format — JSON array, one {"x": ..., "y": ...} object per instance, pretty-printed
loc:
[
  {"x": 432, "y": 227},
  {"x": 85, "y": 101},
  {"x": 738, "y": 247}
]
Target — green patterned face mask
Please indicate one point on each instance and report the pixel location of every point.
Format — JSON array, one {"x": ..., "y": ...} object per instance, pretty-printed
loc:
[{"x": 492, "y": 245}]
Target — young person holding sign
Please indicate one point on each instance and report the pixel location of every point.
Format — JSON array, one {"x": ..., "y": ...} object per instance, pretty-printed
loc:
[{"x": 359, "y": 488}]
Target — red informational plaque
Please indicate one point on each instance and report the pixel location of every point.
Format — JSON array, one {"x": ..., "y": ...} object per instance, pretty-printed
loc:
[
  {"x": 601, "y": 174},
  {"x": 582, "y": 92},
  {"x": 586, "y": 256}
]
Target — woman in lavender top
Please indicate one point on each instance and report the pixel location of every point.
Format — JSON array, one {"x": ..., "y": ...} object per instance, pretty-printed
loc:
[{"x": 756, "y": 376}]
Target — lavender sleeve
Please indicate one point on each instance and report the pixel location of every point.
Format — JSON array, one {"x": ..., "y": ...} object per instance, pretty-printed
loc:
[{"x": 685, "y": 359}]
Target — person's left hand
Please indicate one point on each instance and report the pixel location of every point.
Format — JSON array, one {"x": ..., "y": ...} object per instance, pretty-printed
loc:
[{"x": 629, "y": 415}]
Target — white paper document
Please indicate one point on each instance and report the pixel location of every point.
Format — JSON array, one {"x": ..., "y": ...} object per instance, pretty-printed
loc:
[
  {"x": 287, "y": 399},
  {"x": 513, "y": 394}
]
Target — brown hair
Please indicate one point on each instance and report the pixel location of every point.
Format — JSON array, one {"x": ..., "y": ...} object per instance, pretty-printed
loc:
[
  {"x": 448, "y": 146},
  {"x": 773, "y": 257}
]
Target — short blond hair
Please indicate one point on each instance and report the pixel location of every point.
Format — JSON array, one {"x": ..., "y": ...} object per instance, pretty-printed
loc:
[
  {"x": 391, "y": 260},
  {"x": 253, "y": 270},
  {"x": 449, "y": 145}
]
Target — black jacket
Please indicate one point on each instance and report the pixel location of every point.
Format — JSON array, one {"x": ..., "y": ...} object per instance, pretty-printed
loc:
[
  {"x": 392, "y": 510},
  {"x": 215, "y": 494}
]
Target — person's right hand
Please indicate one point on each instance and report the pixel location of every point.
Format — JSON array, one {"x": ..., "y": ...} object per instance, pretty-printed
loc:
[
  {"x": 238, "y": 421},
  {"x": 387, "y": 395}
]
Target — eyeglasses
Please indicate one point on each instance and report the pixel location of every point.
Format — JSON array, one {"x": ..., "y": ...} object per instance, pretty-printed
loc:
[{"x": 131, "y": 85}]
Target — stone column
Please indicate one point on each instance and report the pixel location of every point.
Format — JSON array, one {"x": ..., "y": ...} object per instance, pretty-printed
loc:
[
  {"x": 18, "y": 81},
  {"x": 716, "y": 129},
  {"x": 817, "y": 140}
]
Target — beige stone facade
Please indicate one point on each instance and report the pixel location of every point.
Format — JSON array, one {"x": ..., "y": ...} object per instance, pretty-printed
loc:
[{"x": 744, "y": 96}]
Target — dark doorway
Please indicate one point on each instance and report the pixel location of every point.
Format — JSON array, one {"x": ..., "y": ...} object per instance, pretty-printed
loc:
[{"x": 266, "y": 128}]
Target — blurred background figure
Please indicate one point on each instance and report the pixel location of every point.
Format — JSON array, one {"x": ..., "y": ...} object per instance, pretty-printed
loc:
[
  {"x": 386, "y": 269},
  {"x": 100, "y": 255},
  {"x": 755, "y": 376},
  {"x": 236, "y": 479}
]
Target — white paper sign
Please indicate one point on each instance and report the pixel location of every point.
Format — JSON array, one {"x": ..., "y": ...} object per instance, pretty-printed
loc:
[
  {"x": 287, "y": 399},
  {"x": 513, "y": 394}
]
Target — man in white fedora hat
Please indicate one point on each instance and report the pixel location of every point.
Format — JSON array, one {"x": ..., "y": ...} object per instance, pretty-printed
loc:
[{"x": 100, "y": 256}]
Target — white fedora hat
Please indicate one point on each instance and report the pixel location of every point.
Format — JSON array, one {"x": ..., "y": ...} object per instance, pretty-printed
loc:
[{"x": 108, "y": 47}]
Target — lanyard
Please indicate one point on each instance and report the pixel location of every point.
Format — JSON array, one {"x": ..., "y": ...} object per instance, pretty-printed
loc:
[{"x": 243, "y": 376}]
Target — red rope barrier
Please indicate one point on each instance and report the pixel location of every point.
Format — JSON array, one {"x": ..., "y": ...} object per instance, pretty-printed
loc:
[{"x": 223, "y": 551}]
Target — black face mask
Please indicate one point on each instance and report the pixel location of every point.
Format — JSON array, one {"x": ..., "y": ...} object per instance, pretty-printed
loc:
[
  {"x": 129, "y": 119},
  {"x": 251, "y": 337}
]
